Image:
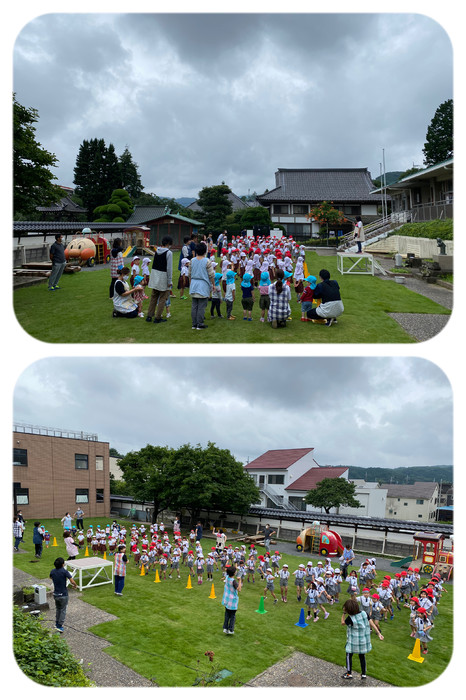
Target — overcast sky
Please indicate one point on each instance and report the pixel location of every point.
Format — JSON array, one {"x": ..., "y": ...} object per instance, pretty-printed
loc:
[
  {"x": 201, "y": 98},
  {"x": 387, "y": 412}
]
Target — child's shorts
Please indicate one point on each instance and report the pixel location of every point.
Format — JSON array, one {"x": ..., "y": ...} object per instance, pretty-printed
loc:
[
  {"x": 270, "y": 587},
  {"x": 306, "y": 306},
  {"x": 264, "y": 301},
  {"x": 247, "y": 303}
]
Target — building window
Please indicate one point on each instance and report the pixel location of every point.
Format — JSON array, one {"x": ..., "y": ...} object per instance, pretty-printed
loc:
[
  {"x": 420, "y": 502},
  {"x": 99, "y": 495},
  {"x": 99, "y": 464},
  {"x": 405, "y": 504},
  {"x": 280, "y": 208},
  {"x": 298, "y": 502},
  {"x": 276, "y": 479},
  {"x": 20, "y": 457},
  {"x": 300, "y": 209},
  {"x": 22, "y": 497},
  {"x": 419, "y": 516},
  {"x": 81, "y": 462},
  {"x": 82, "y": 495}
]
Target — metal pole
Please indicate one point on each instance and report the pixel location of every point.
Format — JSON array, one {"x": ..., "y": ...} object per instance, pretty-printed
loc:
[{"x": 384, "y": 182}]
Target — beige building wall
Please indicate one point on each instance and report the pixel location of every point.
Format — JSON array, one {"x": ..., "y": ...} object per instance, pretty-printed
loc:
[{"x": 52, "y": 478}]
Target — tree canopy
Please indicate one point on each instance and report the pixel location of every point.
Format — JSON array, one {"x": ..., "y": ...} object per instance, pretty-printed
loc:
[
  {"x": 333, "y": 493},
  {"x": 32, "y": 178},
  {"x": 96, "y": 173},
  {"x": 439, "y": 138},
  {"x": 190, "y": 478},
  {"x": 129, "y": 176},
  {"x": 215, "y": 206},
  {"x": 119, "y": 207}
]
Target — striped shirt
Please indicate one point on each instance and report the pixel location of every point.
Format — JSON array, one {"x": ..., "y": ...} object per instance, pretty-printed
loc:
[{"x": 230, "y": 594}]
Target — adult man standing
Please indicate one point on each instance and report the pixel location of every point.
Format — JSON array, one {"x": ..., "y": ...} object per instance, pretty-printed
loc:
[
  {"x": 268, "y": 532},
  {"x": 160, "y": 280},
  {"x": 60, "y": 577},
  {"x": 57, "y": 256},
  {"x": 347, "y": 557},
  {"x": 198, "y": 531},
  {"x": 79, "y": 518}
]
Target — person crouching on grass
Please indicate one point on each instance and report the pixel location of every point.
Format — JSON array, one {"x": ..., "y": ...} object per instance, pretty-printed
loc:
[{"x": 230, "y": 599}]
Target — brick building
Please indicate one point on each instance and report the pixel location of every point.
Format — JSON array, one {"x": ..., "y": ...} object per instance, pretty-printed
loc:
[{"x": 55, "y": 471}]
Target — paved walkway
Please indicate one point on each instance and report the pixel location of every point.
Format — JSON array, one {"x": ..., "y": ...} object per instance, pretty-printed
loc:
[{"x": 103, "y": 670}]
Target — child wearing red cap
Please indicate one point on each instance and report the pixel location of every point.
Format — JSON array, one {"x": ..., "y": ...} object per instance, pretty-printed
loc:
[
  {"x": 422, "y": 626},
  {"x": 413, "y": 608},
  {"x": 210, "y": 561},
  {"x": 251, "y": 568},
  {"x": 275, "y": 562},
  {"x": 163, "y": 561}
]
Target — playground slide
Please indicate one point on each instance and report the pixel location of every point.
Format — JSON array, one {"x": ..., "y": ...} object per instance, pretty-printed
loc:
[
  {"x": 130, "y": 250},
  {"x": 339, "y": 542}
]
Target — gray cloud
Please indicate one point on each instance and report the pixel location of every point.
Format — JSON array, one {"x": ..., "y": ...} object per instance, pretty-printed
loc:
[
  {"x": 200, "y": 98},
  {"x": 351, "y": 410}
]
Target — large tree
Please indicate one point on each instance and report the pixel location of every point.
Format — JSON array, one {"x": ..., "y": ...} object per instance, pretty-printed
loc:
[
  {"x": 145, "y": 472},
  {"x": 119, "y": 207},
  {"x": 96, "y": 173},
  {"x": 439, "y": 138},
  {"x": 32, "y": 178},
  {"x": 215, "y": 206},
  {"x": 130, "y": 179},
  {"x": 333, "y": 493},
  {"x": 209, "y": 479}
]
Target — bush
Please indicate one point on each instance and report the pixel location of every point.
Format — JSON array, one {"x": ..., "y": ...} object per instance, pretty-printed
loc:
[
  {"x": 43, "y": 657},
  {"x": 439, "y": 228}
]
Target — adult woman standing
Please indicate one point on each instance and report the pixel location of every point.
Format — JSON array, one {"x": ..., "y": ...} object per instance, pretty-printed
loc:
[
  {"x": 358, "y": 636},
  {"x": 359, "y": 236},
  {"x": 331, "y": 305},
  {"x": 119, "y": 569},
  {"x": 66, "y": 521},
  {"x": 280, "y": 297},
  {"x": 201, "y": 284},
  {"x": 230, "y": 599},
  {"x": 38, "y": 538},
  {"x": 123, "y": 304},
  {"x": 116, "y": 263}
]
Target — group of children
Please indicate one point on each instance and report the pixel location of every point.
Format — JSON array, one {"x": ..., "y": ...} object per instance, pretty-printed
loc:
[
  {"x": 254, "y": 261},
  {"x": 321, "y": 585}
]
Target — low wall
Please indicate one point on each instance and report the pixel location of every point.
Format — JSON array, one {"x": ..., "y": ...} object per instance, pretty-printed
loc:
[{"x": 422, "y": 247}]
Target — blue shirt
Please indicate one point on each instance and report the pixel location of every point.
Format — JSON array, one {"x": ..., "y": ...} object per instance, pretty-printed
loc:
[{"x": 59, "y": 578}]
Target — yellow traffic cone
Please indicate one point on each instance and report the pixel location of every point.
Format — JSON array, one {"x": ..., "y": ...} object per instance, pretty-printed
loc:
[
  {"x": 189, "y": 582},
  {"x": 143, "y": 573},
  {"x": 86, "y": 553},
  {"x": 305, "y": 270},
  {"x": 157, "y": 577},
  {"x": 105, "y": 554},
  {"x": 212, "y": 592},
  {"x": 55, "y": 542},
  {"x": 416, "y": 653}
]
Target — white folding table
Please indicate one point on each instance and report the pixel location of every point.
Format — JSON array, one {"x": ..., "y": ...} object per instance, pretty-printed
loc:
[{"x": 93, "y": 568}]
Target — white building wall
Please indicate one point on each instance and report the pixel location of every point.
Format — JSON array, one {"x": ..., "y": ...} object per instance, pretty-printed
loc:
[{"x": 401, "y": 508}]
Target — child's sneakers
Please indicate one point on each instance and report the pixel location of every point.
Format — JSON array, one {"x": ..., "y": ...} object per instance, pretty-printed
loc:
[{"x": 141, "y": 315}]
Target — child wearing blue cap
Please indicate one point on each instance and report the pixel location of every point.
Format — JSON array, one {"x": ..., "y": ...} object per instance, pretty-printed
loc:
[
  {"x": 264, "y": 299},
  {"x": 230, "y": 293},
  {"x": 216, "y": 296},
  {"x": 138, "y": 296},
  {"x": 248, "y": 299},
  {"x": 307, "y": 296}
]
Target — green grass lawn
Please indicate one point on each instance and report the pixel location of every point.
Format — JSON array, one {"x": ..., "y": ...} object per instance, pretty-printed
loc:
[
  {"x": 81, "y": 312},
  {"x": 164, "y": 629}
]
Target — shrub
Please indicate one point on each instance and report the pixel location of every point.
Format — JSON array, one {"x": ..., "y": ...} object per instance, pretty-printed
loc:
[
  {"x": 43, "y": 657},
  {"x": 439, "y": 228}
]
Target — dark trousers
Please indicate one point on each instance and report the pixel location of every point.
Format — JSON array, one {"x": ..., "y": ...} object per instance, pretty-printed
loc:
[
  {"x": 229, "y": 621},
  {"x": 38, "y": 549},
  {"x": 349, "y": 661},
  {"x": 79, "y": 523},
  {"x": 198, "y": 307},
  {"x": 60, "y": 609},
  {"x": 119, "y": 583},
  {"x": 215, "y": 306}
]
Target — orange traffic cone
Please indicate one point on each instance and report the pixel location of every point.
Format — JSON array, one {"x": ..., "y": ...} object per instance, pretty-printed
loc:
[
  {"x": 105, "y": 554},
  {"x": 86, "y": 553},
  {"x": 143, "y": 572},
  {"x": 55, "y": 542},
  {"x": 416, "y": 653},
  {"x": 212, "y": 592},
  {"x": 157, "y": 577},
  {"x": 189, "y": 582}
]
